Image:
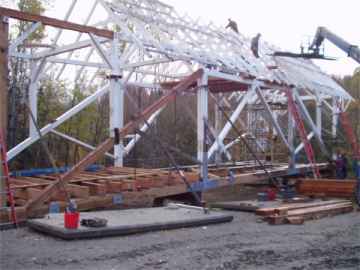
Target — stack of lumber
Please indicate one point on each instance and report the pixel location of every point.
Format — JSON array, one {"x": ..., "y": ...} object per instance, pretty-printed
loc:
[
  {"x": 297, "y": 213},
  {"x": 129, "y": 187},
  {"x": 327, "y": 187}
]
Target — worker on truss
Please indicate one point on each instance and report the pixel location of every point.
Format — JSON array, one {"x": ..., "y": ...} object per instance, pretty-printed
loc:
[
  {"x": 255, "y": 45},
  {"x": 232, "y": 25}
]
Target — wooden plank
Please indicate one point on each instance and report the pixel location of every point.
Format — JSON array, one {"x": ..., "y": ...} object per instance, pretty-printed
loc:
[
  {"x": 21, "y": 193},
  {"x": 95, "y": 202},
  {"x": 311, "y": 213},
  {"x": 78, "y": 191},
  {"x": 20, "y": 202},
  {"x": 57, "y": 196},
  {"x": 286, "y": 207},
  {"x": 20, "y": 182},
  {"x": 5, "y": 214},
  {"x": 295, "y": 220},
  {"x": 34, "y": 180},
  {"x": 95, "y": 188},
  {"x": 32, "y": 192},
  {"x": 113, "y": 186},
  {"x": 166, "y": 184},
  {"x": 315, "y": 210},
  {"x": 25, "y": 16},
  {"x": 4, "y": 88},
  {"x": 334, "y": 188},
  {"x": 4, "y": 78}
]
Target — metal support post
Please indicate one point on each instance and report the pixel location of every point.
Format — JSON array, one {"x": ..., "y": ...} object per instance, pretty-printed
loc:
[
  {"x": 218, "y": 123},
  {"x": 319, "y": 114},
  {"x": 202, "y": 116},
  {"x": 291, "y": 130},
  {"x": 33, "y": 97},
  {"x": 116, "y": 104},
  {"x": 272, "y": 117},
  {"x": 334, "y": 124}
]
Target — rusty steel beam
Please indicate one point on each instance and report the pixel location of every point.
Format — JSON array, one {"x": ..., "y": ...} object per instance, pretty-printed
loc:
[{"x": 108, "y": 143}]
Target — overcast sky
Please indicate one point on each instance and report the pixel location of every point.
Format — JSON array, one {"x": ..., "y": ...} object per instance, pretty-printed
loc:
[{"x": 285, "y": 23}]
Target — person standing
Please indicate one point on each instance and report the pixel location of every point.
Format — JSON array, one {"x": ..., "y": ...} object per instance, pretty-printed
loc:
[
  {"x": 232, "y": 25},
  {"x": 339, "y": 166},
  {"x": 344, "y": 166},
  {"x": 356, "y": 168},
  {"x": 255, "y": 45}
]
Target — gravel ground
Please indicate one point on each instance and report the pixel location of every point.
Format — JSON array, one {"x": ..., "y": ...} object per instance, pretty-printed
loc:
[{"x": 245, "y": 243}]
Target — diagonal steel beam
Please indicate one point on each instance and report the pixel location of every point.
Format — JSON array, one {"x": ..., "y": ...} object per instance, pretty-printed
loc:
[
  {"x": 97, "y": 45},
  {"x": 58, "y": 121},
  {"x": 310, "y": 122},
  {"x": 272, "y": 118},
  {"x": 23, "y": 37},
  {"x": 301, "y": 145},
  {"x": 219, "y": 142},
  {"x": 224, "y": 132},
  {"x": 81, "y": 143}
]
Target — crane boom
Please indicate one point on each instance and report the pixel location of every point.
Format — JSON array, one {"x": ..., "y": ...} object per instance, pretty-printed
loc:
[{"x": 323, "y": 33}]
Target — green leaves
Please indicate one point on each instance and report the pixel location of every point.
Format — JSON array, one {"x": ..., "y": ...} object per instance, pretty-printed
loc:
[{"x": 34, "y": 7}]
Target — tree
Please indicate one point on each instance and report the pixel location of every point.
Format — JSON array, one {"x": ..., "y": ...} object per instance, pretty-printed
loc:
[{"x": 19, "y": 74}]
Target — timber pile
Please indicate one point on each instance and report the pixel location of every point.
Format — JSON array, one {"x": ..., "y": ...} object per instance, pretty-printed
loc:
[
  {"x": 298, "y": 213},
  {"x": 106, "y": 181},
  {"x": 327, "y": 187},
  {"x": 127, "y": 187}
]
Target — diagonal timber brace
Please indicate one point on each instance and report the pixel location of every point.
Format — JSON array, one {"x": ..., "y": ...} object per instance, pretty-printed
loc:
[{"x": 108, "y": 143}]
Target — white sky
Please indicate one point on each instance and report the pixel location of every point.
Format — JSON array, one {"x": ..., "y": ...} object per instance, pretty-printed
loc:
[{"x": 285, "y": 23}]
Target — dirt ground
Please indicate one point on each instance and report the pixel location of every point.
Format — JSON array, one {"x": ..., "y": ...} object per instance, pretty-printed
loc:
[{"x": 244, "y": 243}]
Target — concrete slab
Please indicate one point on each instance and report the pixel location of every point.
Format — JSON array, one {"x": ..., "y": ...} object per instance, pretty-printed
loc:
[
  {"x": 248, "y": 206},
  {"x": 124, "y": 222}
]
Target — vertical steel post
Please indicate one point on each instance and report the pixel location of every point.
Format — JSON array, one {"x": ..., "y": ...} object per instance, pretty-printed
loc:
[
  {"x": 291, "y": 136},
  {"x": 33, "y": 99},
  {"x": 116, "y": 102},
  {"x": 319, "y": 114},
  {"x": 218, "y": 123},
  {"x": 202, "y": 116},
  {"x": 335, "y": 119}
]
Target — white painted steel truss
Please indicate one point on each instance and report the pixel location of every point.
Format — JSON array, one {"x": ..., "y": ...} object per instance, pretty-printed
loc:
[{"x": 155, "y": 44}]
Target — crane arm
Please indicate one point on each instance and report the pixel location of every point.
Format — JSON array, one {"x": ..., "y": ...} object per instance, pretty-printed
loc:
[{"x": 323, "y": 33}]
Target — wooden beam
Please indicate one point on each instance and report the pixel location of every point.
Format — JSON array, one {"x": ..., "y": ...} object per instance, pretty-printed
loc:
[
  {"x": 295, "y": 206},
  {"x": 108, "y": 144},
  {"x": 4, "y": 88},
  {"x": 311, "y": 213},
  {"x": 335, "y": 188},
  {"x": 25, "y": 16}
]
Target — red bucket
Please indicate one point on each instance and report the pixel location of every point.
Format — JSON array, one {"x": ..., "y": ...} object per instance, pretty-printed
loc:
[{"x": 71, "y": 220}]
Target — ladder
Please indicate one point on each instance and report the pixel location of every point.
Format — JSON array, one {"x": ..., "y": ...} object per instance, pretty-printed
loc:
[
  {"x": 5, "y": 177},
  {"x": 293, "y": 109},
  {"x": 350, "y": 134}
]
